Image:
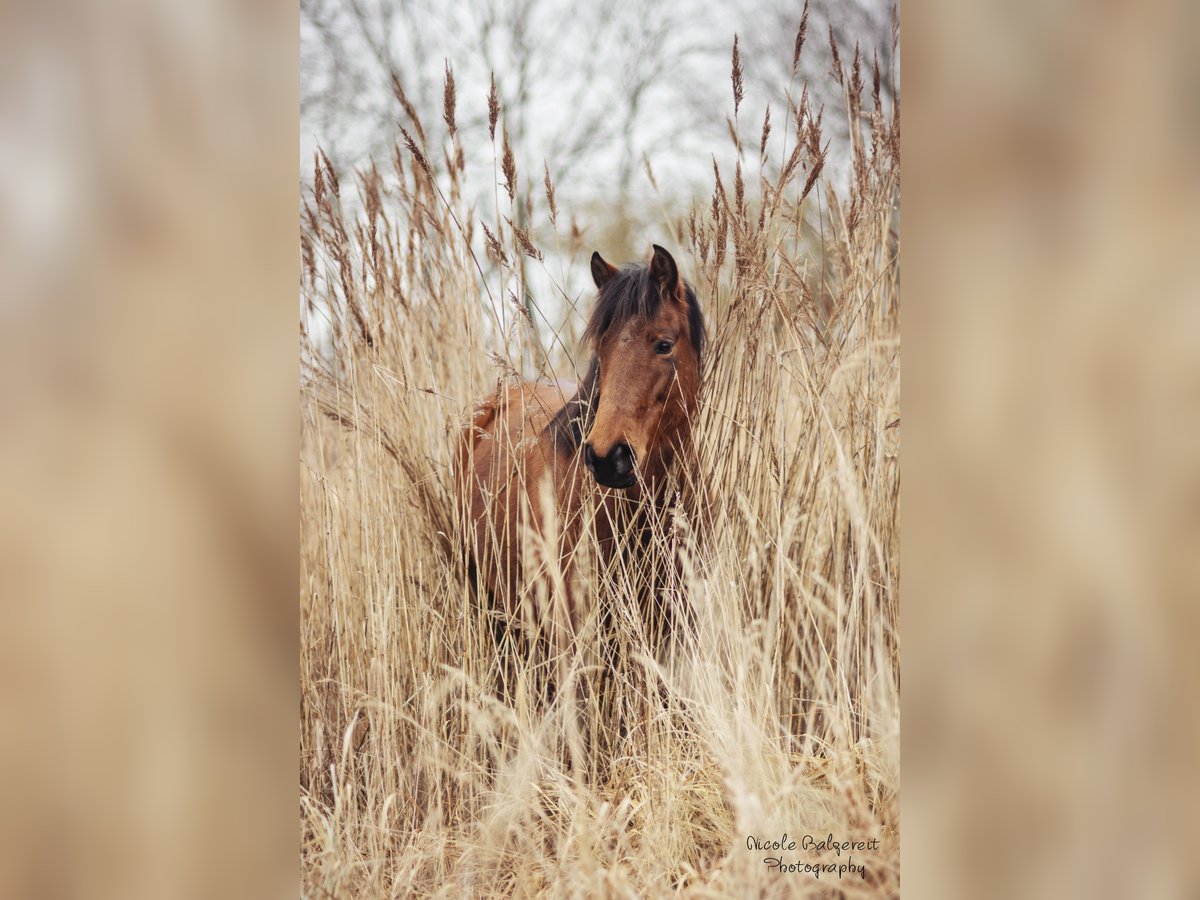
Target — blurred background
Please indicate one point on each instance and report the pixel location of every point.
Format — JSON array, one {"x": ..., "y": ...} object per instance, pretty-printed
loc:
[
  {"x": 148, "y": 394},
  {"x": 1051, "y": 494},
  {"x": 1052, "y": 461}
]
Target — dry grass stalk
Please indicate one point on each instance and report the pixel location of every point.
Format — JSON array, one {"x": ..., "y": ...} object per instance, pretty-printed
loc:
[
  {"x": 406, "y": 104},
  {"x": 551, "y": 203},
  {"x": 449, "y": 101},
  {"x": 801, "y": 34},
  {"x": 739, "y": 90},
  {"x": 509, "y": 167},
  {"x": 493, "y": 108},
  {"x": 835, "y": 68}
]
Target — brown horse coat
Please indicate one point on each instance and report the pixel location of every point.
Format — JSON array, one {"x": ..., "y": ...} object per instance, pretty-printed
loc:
[
  {"x": 526, "y": 494},
  {"x": 539, "y": 465}
]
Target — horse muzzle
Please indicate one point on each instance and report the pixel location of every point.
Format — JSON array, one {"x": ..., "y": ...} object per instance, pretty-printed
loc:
[{"x": 614, "y": 470}]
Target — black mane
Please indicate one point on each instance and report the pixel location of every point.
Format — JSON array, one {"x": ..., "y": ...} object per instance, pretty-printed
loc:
[{"x": 628, "y": 294}]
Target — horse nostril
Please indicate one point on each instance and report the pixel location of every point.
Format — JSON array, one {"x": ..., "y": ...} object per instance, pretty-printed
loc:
[
  {"x": 622, "y": 459},
  {"x": 589, "y": 457}
]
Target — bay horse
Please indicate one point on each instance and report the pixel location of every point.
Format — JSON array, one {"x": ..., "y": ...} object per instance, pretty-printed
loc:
[{"x": 537, "y": 467}]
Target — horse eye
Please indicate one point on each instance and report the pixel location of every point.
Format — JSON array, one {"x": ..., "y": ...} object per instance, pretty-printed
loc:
[{"x": 662, "y": 348}]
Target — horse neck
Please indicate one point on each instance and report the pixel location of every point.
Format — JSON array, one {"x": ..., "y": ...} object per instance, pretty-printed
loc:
[
  {"x": 569, "y": 425},
  {"x": 666, "y": 460}
]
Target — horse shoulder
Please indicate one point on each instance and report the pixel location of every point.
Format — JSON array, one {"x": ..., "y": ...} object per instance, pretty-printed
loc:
[{"x": 507, "y": 449}]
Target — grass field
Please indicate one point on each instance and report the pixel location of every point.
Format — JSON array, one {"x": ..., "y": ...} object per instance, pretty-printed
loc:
[{"x": 779, "y": 711}]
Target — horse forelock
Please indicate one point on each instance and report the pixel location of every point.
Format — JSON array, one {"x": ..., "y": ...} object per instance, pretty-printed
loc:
[{"x": 632, "y": 293}]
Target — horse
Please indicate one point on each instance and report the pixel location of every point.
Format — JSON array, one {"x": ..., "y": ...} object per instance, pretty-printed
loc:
[{"x": 538, "y": 464}]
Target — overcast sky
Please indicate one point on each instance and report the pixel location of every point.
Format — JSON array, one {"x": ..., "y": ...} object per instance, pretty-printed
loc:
[{"x": 590, "y": 88}]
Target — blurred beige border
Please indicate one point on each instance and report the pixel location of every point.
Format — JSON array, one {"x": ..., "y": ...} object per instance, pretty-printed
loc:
[
  {"x": 148, "y": 240},
  {"x": 1051, "y": 499}
]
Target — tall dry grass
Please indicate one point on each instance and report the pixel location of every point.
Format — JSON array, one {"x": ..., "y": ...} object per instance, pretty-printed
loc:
[{"x": 778, "y": 711}]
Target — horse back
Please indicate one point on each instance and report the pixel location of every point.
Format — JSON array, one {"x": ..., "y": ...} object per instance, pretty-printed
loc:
[{"x": 503, "y": 452}]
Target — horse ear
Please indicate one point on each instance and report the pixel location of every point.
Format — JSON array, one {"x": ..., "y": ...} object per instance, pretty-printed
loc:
[
  {"x": 602, "y": 272},
  {"x": 664, "y": 271}
]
